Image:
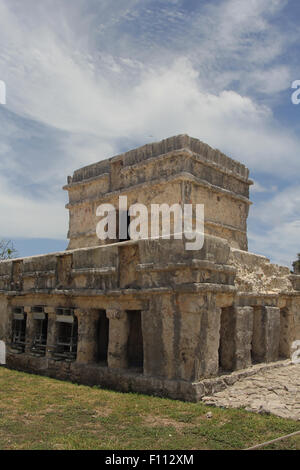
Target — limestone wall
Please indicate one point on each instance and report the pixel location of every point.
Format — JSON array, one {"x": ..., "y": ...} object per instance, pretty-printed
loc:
[
  {"x": 208, "y": 155},
  {"x": 195, "y": 323},
  {"x": 150, "y": 315},
  {"x": 178, "y": 170},
  {"x": 256, "y": 274}
]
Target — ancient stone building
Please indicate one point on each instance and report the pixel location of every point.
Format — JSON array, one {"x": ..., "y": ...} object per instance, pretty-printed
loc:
[{"x": 149, "y": 315}]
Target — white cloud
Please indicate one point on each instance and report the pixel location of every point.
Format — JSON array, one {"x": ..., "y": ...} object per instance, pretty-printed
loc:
[
  {"x": 283, "y": 207},
  {"x": 270, "y": 80},
  {"x": 259, "y": 188},
  {"x": 280, "y": 242},
  {"x": 26, "y": 217},
  {"x": 275, "y": 226},
  {"x": 90, "y": 81}
]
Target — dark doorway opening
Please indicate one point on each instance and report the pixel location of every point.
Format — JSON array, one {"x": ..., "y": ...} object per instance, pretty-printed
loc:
[
  {"x": 227, "y": 346},
  {"x": 67, "y": 337},
  {"x": 19, "y": 330},
  {"x": 123, "y": 226},
  {"x": 135, "y": 339},
  {"x": 102, "y": 337}
]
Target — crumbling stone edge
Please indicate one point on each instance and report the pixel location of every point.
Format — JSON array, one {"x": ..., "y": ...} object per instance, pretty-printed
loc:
[{"x": 208, "y": 387}]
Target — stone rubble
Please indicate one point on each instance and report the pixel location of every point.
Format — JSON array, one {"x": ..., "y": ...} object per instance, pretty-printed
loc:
[{"x": 274, "y": 391}]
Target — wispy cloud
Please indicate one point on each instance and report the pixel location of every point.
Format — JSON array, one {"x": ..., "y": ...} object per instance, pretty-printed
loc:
[
  {"x": 275, "y": 227},
  {"x": 86, "y": 80}
]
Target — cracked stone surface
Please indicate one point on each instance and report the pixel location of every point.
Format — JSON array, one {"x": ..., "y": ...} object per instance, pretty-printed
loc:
[{"x": 275, "y": 391}]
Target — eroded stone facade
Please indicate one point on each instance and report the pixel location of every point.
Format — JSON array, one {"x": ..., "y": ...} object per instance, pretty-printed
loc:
[{"x": 149, "y": 315}]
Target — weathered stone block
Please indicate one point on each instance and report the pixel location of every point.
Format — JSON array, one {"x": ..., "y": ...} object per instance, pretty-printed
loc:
[{"x": 266, "y": 334}]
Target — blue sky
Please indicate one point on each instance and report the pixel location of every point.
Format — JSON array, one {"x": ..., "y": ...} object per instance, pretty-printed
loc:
[{"x": 88, "y": 79}]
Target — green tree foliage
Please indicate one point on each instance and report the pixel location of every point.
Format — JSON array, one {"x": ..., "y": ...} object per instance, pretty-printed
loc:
[
  {"x": 7, "y": 250},
  {"x": 296, "y": 265}
]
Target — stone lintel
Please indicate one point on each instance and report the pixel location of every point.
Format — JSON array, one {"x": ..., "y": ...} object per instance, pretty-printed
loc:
[
  {"x": 256, "y": 299},
  {"x": 195, "y": 264},
  {"x": 50, "y": 310},
  {"x": 182, "y": 176},
  {"x": 83, "y": 313},
  {"x": 115, "y": 314}
]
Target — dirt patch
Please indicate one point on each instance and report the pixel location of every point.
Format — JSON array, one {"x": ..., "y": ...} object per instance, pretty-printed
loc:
[
  {"x": 101, "y": 412},
  {"x": 154, "y": 421}
]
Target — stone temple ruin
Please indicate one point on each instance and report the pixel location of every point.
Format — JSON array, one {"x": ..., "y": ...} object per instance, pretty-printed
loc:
[{"x": 148, "y": 315}]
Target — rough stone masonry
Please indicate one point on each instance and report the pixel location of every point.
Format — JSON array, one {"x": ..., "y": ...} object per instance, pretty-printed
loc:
[{"x": 148, "y": 315}]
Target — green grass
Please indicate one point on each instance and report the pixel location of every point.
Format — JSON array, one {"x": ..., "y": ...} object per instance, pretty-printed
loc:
[{"x": 41, "y": 413}]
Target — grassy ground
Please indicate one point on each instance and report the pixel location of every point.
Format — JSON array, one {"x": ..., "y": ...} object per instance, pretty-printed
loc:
[{"x": 42, "y": 413}]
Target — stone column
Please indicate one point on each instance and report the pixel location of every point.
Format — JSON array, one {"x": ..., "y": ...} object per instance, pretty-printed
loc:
[
  {"x": 289, "y": 326},
  {"x": 266, "y": 334},
  {"x": 208, "y": 353},
  {"x": 197, "y": 346},
  {"x": 287, "y": 329},
  {"x": 243, "y": 337},
  {"x": 118, "y": 339},
  {"x": 4, "y": 318},
  {"x": 87, "y": 346},
  {"x": 155, "y": 321},
  {"x": 236, "y": 337},
  {"x": 51, "y": 330},
  {"x": 8, "y": 324},
  {"x": 30, "y": 330}
]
